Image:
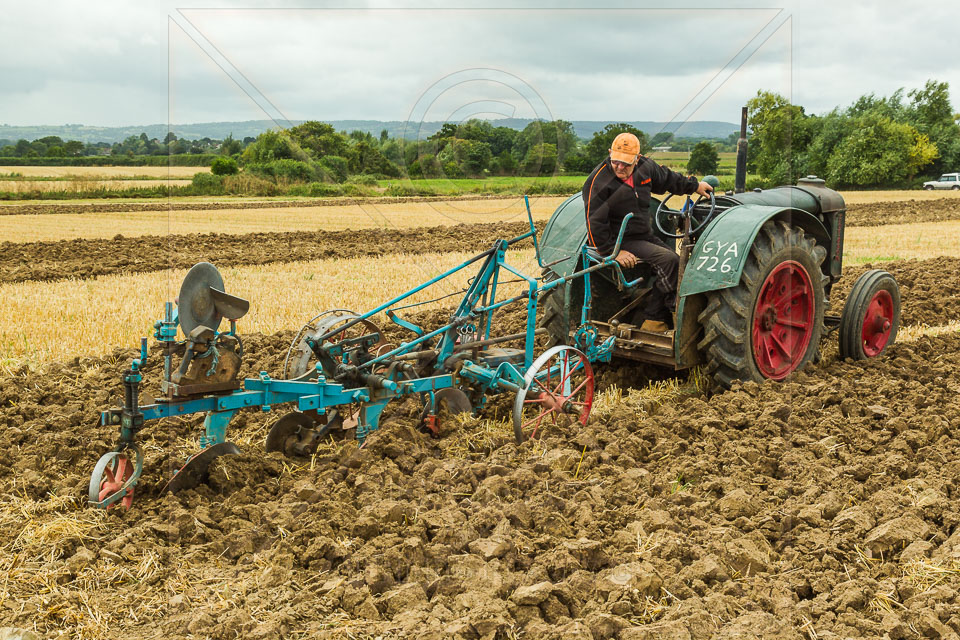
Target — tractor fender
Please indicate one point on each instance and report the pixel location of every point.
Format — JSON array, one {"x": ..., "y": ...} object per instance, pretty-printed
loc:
[
  {"x": 717, "y": 262},
  {"x": 721, "y": 251}
]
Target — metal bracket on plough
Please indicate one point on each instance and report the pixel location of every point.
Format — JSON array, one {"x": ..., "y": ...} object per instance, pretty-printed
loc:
[{"x": 340, "y": 373}]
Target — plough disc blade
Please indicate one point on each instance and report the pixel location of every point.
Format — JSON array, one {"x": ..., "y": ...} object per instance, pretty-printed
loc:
[{"x": 194, "y": 472}]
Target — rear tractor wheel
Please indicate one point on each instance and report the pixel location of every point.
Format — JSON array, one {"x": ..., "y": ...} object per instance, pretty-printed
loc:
[{"x": 769, "y": 325}]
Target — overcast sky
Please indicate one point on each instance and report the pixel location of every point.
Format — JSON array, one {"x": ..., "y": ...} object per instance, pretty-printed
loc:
[{"x": 121, "y": 63}]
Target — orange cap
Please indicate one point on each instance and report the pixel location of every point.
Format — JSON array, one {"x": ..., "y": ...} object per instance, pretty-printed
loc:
[{"x": 625, "y": 148}]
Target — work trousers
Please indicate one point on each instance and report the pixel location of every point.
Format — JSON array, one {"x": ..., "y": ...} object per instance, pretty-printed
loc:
[{"x": 660, "y": 303}]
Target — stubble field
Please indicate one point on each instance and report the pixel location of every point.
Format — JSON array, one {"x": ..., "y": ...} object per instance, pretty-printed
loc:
[{"x": 821, "y": 507}]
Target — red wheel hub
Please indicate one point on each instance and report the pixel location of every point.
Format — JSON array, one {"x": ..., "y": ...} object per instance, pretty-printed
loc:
[
  {"x": 113, "y": 479},
  {"x": 783, "y": 320},
  {"x": 877, "y": 323}
]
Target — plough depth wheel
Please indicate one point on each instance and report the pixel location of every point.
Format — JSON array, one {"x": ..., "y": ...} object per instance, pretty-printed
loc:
[
  {"x": 558, "y": 384},
  {"x": 114, "y": 477}
]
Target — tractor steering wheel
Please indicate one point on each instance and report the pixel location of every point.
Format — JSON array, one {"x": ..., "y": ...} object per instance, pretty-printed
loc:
[{"x": 685, "y": 213}]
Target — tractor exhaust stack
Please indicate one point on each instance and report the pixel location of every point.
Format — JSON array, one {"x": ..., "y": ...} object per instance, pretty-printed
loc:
[{"x": 740, "y": 181}]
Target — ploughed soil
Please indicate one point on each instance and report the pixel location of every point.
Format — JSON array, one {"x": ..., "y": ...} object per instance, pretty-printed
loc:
[
  {"x": 84, "y": 258},
  {"x": 95, "y": 257},
  {"x": 902, "y": 212},
  {"x": 821, "y": 507}
]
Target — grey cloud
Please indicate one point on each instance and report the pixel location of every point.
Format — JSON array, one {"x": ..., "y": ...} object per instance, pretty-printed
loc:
[{"x": 584, "y": 64}]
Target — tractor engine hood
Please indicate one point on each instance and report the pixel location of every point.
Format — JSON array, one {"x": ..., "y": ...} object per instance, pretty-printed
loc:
[{"x": 810, "y": 195}]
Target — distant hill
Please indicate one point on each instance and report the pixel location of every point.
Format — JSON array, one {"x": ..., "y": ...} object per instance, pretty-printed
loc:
[{"x": 395, "y": 128}]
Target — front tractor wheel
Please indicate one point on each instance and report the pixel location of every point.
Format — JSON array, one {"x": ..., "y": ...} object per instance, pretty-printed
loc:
[
  {"x": 871, "y": 316},
  {"x": 769, "y": 325}
]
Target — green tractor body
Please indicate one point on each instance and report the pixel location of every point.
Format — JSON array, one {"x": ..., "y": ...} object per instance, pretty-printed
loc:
[{"x": 752, "y": 296}]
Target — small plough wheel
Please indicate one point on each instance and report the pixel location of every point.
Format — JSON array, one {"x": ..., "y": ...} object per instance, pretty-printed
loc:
[
  {"x": 114, "y": 477},
  {"x": 558, "y": 386},
  {"x": 871, "y": 316},
  {"x": 769, "y": 325}
]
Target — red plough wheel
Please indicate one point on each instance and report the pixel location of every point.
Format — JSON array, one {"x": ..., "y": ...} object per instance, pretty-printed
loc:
[
  {"x": 558, "y": 386},
  {"x": 113, "y": 479}
]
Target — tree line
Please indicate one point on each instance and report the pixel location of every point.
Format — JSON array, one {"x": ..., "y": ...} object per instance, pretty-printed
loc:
[
  {"x": 472, "y": 149},
  {"x": 132, "y": 146},
  {"x": 875, "y": 142},
  {"x": 315, "y": 151}
]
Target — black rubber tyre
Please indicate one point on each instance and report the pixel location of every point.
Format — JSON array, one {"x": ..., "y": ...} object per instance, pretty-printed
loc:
[
  {"x": 928, "y": 187},
  {"x": 955, "y": 187},
  {"x": 871, "y": 316},
  {"x": 728, "y": 318}
]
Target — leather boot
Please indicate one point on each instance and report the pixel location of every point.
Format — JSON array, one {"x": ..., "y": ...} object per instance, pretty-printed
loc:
[{"x": 654, "y": 326}]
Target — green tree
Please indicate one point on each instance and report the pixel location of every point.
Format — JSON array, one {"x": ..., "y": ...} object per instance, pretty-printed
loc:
[
  {"x": 577, "y": 162},
  {"x": 933, "y": 115},
  {"x": 830, "y": 130},
  {"x": 558, "y": 133},
  {"x": 506, "y": 163},
  {"x": 273, "y": 145},
  {"x": 430, "y": 166},
  {"x": 598, "y": 148},
  {"x": 541, "y": 159},
  {"x": 393, "y": 150},
  {"x": 336, "y": 166},
  {"x": 471, "y": 156},
  {"x": 452, "y": 170},
  {"x": 704, "y": 159},
  {"x": 780, "y": 133},
  {"x": 448, "y": 130},
  {"x": 224, "y": 166},
  {"x": 364, "y": 157},
  {"x": 321, "y": 139},
  {"x": 73, "y": 148},
  {"x": 230, "y": 146},
  {"x": 879, "y": 152}
]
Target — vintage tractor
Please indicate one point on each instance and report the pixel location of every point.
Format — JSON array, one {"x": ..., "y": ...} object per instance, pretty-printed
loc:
[
  {"x": 757, "y": 268},
  {"x": 756, "y": 271}
]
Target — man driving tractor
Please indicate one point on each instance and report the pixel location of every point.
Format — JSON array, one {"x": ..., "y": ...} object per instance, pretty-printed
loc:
[{"x": 622, "y": 184}]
